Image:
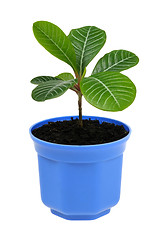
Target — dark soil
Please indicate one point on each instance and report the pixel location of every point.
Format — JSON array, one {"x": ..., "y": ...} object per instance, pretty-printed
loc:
[{"x": 70, "y": 133}]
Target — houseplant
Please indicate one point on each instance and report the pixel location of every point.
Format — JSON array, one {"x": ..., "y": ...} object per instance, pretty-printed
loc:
[{"x": 81, "y": 181}]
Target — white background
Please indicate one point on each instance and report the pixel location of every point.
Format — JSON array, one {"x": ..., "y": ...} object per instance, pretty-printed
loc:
[{"x": 130, "y": 25}]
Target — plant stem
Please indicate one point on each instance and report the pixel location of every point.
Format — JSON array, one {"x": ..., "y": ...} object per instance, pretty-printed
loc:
[{"x": 80, "y": 108}]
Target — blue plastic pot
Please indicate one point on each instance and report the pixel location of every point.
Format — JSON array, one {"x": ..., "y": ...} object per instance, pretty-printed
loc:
[{"x": 80, "y": 182}]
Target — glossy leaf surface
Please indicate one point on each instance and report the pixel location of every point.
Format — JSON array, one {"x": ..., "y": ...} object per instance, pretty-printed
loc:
[
  {"x": 108, "y": 91},
  {"x": 51, "y": 89},
  {"x": 54, "y": 40},
  {"x": 65, "y": 76},
  {"x": 43, "y": 79},
  {"x": 116, "y": 61},
  {"x": 87, "y": 42}
]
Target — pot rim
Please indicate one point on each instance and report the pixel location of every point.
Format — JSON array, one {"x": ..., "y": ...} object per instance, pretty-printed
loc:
[{"x": 40, "y": 123}]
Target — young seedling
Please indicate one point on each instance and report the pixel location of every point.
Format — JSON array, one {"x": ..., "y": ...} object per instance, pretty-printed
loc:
[{"x": 106, "y": 88}]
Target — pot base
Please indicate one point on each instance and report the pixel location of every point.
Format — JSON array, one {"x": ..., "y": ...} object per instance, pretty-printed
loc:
[{"x": 80, "y": 217}]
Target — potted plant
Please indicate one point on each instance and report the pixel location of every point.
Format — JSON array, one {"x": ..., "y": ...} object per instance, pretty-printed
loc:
[{"x": 80, "y": 157}]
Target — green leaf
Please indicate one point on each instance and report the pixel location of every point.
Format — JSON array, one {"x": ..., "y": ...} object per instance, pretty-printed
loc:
[
  {"x": 54, "y": 40},
  {"x": 51, "y": 89},
  {"x": 108, "y": 91},
  {"x": 65, "y": 76},
  {"x": 87, "y": 42},
  {"x": 116, "y": 61},
  {"x": 42, "y": 79}
]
